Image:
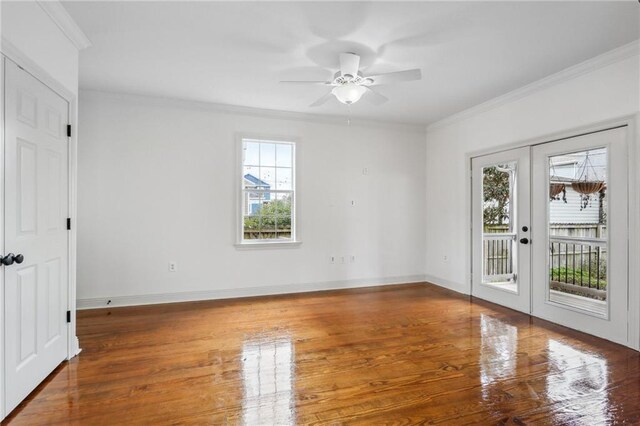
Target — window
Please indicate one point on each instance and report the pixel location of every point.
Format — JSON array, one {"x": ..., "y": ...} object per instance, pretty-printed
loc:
[{"x": 268, "y": 191}]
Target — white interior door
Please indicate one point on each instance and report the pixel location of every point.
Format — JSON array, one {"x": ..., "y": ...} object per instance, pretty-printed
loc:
[
  {"x": 580, "y": 212},
  {"x": 35, "y": 211},
  {"x": 501, "y": 216}
]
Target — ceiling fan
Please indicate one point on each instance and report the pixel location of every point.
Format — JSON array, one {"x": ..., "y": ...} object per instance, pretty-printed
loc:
[{"x": 349, "y": 84}]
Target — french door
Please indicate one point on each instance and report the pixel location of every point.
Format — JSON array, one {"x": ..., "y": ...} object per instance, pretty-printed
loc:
[
  {"x": 580, "y": 214},
  {"x": 501, "y": 221},
  {"x": 35, "y": 256},
  {"x": 550, "y": 231}
]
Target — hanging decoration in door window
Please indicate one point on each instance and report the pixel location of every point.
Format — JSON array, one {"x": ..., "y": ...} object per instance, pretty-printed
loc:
[
  {"x": 556, "y": 188},
  {"x": 588, "y": 184}
]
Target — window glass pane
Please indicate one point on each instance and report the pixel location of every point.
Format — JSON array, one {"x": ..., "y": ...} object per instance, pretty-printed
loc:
[
  {"x": 498, "y": 238},
  {"x": 268, "y": 230},
  {"x": 284, "y": 155},
  {"x": 283, "y": 181},
  {"x": 578, "y": 230},
  {"x": 251, "y": 223},
  {"x": 267, "y": 215},
  {"x": 283, "y": 228},
  {"x": 282, "y": 205},
  {"x": 251, "y": 177},
  {"x": 251, "y": 153},
  {"x": 252, "y": 203},
  {"x": 267, "y": 154},
  {"x": 268, "y": 177}
]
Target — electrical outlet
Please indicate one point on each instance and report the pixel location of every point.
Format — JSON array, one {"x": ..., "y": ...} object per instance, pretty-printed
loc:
[
  {"x": 173, "y": 266},
  {"x": 365, "y": 171},
  {"x": 445, "y": 258},
  {"x": 332, "y": 259},
  {"x": 352, "y": 259},
  {"x": 342, "y": 259}
]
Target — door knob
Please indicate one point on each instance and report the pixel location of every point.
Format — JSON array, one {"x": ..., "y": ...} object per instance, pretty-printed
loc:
[
  {"x": 11, "y": 258},
  {"x": 524, "y": 240}
]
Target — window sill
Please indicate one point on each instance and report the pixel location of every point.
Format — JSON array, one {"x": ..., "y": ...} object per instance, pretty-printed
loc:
[{"x": 268, "y": 245}]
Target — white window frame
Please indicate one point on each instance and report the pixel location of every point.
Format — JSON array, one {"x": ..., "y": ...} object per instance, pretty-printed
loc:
[{"x": 239, "y": 185}]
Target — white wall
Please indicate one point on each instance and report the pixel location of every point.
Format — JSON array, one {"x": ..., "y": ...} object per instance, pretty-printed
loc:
[
  {"x": 27, "y": 27},
  {"x": 608, "y": 92},
  {"x": 156, "y": 184}
]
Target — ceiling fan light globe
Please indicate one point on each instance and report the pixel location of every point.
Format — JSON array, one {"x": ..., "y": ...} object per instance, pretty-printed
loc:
[{"x": 349, "y": 93}]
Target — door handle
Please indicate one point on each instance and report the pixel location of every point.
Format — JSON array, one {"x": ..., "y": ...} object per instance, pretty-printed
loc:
[
  {"x": 11, "y": 258},
  {"x": 524, "y": 240}
]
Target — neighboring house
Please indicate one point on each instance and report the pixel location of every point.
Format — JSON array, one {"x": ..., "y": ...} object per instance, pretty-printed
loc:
[
  {"x": 571, "y": 212},
  {"x": 254, "y": 200}
]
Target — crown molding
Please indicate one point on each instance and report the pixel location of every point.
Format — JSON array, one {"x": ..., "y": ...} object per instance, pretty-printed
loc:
[
  {"x": 155, "y": 100},
  {"x": 10, "y": 51},
  {"x": 65, "y": 22},
  {"x": 590, "y": 65}
]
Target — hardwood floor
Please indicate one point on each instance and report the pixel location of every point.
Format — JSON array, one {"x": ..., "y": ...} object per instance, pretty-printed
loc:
[{"x": 404, "y": 354}]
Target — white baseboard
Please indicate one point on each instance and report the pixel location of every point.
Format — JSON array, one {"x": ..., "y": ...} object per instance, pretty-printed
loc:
[
  {"x": 76, "y": 349},
  {"x": 191, "y": 296},
  {"x": 451, "y": 285}
]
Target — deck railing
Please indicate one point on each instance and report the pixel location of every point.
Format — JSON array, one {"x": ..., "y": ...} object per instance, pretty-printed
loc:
[
  {"x": 579, "y": 262},
  {"x": 498, "y": 256}
]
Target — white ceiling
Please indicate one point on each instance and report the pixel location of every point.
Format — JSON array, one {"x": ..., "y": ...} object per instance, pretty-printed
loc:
[{"x": 235, "y": 53}]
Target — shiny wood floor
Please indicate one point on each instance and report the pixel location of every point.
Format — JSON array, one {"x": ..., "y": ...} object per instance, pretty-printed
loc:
[{"x": 404, "y": 354}]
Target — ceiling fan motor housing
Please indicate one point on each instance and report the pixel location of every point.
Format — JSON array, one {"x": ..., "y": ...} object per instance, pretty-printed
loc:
[{"x": 339, "y": 79}]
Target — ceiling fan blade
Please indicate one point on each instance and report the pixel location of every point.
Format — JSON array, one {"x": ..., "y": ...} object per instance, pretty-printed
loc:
[
  {"x": 322, "y": 100},
  {"x": 374, "y": 97},
  {"x": 349, "y": 64},
  {"x": 305, "y": 82},
  {"x": 395, "y": 77}
]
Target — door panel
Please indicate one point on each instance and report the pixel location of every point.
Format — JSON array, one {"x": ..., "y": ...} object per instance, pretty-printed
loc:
[
  {"x": 500, "y": 200},
  {"x": 579, "y": 259},
  {"x": 27, "y": 312},
  {"x": 26, "y": 174},
  {"x": 35, "y": 212}
]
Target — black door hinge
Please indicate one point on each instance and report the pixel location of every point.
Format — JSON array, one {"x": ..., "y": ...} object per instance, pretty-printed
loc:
[
  {"x": 69, "y": 223},
  {"x": 68, "y": 130},
  {"x": 68, "y": 316}
]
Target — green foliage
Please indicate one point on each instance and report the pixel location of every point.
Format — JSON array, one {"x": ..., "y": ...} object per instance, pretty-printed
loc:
[
  {"x": 275, "y": 213},
  {"x": 566, "y": 275},
  {"x": 495, "y": 184}
]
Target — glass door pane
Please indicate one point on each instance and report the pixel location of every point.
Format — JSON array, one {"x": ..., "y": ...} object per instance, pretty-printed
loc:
[
  {"x": 577, "y": 224},
  {"x": 498, "y": 236}
]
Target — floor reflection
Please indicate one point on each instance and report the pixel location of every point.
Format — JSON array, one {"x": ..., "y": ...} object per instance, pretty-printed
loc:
[
  {"x": 498, "y": 350},
  {"x": 267, "y": 375},
  {"x": 578, "y": 381}
]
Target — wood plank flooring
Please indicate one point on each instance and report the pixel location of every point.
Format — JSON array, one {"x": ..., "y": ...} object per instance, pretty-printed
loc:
[{"x": 398, "y": 354}]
